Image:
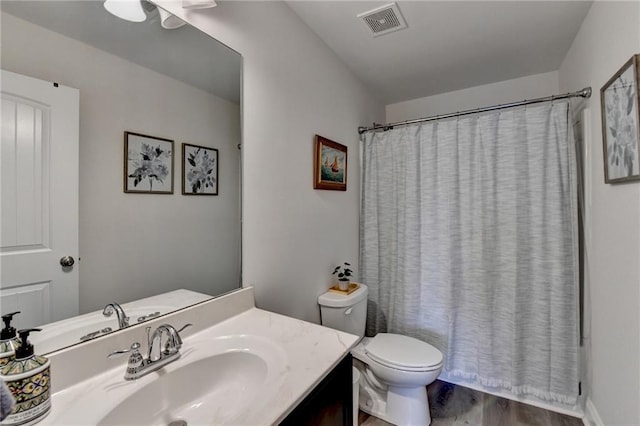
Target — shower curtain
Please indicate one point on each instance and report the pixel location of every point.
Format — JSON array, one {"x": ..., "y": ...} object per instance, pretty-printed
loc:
[{"x": 469, "y": 241}]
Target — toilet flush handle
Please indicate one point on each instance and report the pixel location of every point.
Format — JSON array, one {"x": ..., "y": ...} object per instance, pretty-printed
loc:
[{"x": 348, "y": 311}]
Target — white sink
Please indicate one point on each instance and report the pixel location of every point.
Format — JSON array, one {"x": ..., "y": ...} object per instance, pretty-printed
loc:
[
  {"x": 215, "y": 381},
  {"x": 232, "y": 381}
]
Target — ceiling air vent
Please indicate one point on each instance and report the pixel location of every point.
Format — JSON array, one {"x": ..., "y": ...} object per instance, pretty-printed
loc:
[{"x": 384, "y": 19}]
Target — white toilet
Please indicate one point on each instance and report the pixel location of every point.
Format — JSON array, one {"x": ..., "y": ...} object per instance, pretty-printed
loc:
[{"x": 394, "y": 369}]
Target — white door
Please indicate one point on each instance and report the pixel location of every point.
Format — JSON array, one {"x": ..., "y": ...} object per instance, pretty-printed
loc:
[{"x": 38, "y": 200}]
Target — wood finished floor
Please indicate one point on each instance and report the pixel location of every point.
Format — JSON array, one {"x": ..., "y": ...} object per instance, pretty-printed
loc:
[{"x": 455, "y": 406}]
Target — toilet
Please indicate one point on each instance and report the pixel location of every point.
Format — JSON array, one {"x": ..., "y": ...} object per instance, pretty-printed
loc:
[{"x": 394, "y": 369}]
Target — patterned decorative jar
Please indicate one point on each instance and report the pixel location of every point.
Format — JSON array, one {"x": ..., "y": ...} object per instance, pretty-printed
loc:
[{"x": 28, "y": 378}]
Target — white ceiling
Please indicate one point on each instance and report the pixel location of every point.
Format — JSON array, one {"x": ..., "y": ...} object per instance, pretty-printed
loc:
[{"x": 448, "y": 45}]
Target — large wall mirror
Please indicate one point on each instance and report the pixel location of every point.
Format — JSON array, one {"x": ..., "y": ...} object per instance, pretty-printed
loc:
[{"x": 149, "y": 253}]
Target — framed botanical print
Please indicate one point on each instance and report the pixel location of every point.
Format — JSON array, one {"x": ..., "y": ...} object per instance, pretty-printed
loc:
[
  {"x": 148, "y": 164},
  {"x": 199, "y": 170},
  {"x": 620, "y": 124}
]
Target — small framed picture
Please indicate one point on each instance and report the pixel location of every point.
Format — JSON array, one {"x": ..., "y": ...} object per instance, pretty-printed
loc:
[
  {"x": 148, "y": 164},
  {"x": 330, "y": 165},
  {"x": 199, "y": 170},
  {"x": 620, "y": 124}
]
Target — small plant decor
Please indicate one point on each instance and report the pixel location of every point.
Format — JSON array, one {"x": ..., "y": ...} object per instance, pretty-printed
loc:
[{"x": 344, "y": 275}]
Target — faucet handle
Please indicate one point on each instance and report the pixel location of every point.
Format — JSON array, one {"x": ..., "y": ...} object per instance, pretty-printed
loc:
[
  {"x": 179, "y": 337},
  {"x": 117, "y": 353},
  {"x": 135, "y": 363},
  {"x": 135, "y": 347},
  {"x": 184, "y": 326}
]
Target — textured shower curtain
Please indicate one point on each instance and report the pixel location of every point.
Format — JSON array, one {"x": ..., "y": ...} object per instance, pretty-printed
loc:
[{"x": 469, "y": 241}]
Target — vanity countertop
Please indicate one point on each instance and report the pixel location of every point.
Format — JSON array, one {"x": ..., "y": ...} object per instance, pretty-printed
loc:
[{"x": 305, "y": 354}]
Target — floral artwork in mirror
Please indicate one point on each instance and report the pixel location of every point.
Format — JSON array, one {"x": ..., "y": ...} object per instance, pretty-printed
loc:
[
  {"x": 199, "y": 170},
  {"x": 148, "y": 164},
  {"x": 620, "y": 124},
  {"x": 329, "y": 165}
]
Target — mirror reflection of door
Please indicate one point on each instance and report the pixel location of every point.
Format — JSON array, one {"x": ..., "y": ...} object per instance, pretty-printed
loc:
[{"x": 39, "y": 200}]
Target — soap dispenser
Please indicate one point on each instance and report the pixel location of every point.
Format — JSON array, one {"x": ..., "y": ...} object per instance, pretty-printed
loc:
[
  {"x": 9, "y": 342},
  {"x": 27, "y": 376}
]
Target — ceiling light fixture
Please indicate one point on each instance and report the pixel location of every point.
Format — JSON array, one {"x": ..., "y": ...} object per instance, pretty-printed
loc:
[
  {"x": 129, "y": 10},
  {"x": 169, "y": 21},
  {"x": 198, "y": 4}
]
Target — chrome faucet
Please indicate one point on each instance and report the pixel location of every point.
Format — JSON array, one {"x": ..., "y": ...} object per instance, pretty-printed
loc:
[
  {"x": 139, "y": 366},
  {"x": 154, "y": 341},
  {"x": 123, "y": 319}
]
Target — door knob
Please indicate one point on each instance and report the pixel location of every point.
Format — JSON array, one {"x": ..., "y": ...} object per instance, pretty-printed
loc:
[{"x": 67, "y": 261}]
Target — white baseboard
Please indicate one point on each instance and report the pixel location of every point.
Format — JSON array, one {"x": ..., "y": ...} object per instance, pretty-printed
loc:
[{"x": 591, "y": 416}]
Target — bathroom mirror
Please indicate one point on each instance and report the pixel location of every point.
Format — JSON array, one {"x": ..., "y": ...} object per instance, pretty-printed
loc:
[{"x": 179, "y": 85}]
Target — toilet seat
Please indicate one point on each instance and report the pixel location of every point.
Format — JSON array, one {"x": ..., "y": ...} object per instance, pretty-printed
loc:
[{"x": 403, "y": 353}]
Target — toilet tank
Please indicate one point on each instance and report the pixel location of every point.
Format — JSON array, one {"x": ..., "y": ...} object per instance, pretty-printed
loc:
[{"x": 345, "y": 312}]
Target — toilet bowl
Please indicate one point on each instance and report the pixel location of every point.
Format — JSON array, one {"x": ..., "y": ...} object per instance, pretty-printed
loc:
[
  {"x": 394, "y": 369},
  {"x": 393, "y": 385}
]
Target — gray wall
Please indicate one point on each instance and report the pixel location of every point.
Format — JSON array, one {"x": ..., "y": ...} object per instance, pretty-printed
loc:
[
  {"x": 529, "y": 87},
  {"x": 293, "y": 88},
  {"x": 609, "y": 36}
]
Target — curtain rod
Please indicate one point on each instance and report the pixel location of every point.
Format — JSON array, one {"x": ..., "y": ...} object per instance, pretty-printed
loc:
[{"x": 584, "y": 93}]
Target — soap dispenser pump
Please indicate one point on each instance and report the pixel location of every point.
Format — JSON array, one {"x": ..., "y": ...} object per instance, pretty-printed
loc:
[
  {"x": 9, "y": 342},
  {"x": 28, "y": 378}
]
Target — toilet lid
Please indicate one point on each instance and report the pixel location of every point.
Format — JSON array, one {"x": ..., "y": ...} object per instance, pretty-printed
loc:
[{"x": 403, "y": 351}]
